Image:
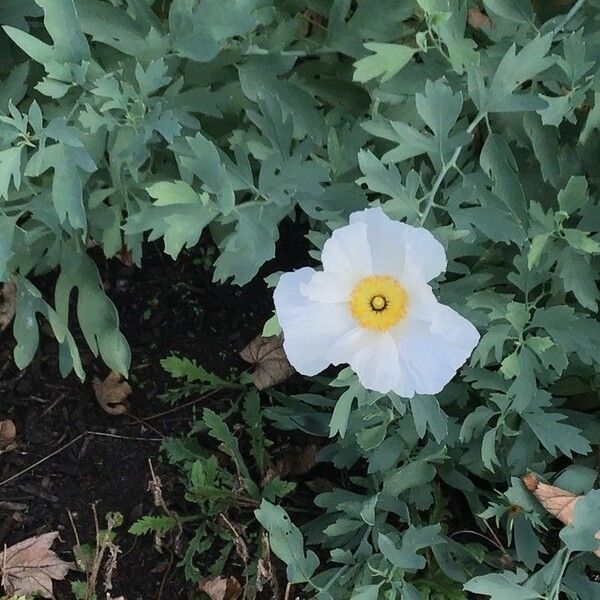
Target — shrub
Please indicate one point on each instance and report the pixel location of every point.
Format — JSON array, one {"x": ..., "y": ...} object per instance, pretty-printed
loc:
[{"x": 127, "y": 118}]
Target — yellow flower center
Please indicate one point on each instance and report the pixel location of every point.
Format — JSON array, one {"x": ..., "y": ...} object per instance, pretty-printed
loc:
[{"x": 378, "y": 302}]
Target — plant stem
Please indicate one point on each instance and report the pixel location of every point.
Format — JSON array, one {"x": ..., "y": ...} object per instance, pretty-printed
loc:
[
  {"x": 574, "y": 10},
  {"x": 449, "y": 165}
]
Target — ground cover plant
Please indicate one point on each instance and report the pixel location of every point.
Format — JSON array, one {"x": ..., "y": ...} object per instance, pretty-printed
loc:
[{"x": 233, "y": 132}]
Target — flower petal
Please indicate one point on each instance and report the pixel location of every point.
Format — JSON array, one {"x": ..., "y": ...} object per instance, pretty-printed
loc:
[
  {"x": 372, "y": 355},
  {"x": 431, "y": 355},
  {"x": 310, "y": 329},
  {"x": 325, "y": 286},
  {"x": 397, "y": 247},
  {"x": 347, "y": 254}
]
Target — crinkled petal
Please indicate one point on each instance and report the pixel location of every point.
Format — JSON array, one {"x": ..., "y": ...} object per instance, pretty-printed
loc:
[
  {"x": 431, "y": 354},
  {"x": 310, "y": 329},
  {"x": 325, "y": 286},
  {"x": 372, "y": 355},
  {"x": 398, "y": 248},
  {"x": 346, "y": 254}
]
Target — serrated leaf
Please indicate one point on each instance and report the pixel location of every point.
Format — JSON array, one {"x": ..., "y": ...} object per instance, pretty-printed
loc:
[
  {"x": 149, "y": 524},
  {"x": 192, "y": 371}
]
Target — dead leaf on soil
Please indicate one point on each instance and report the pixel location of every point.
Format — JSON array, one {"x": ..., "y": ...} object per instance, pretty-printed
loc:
[
  {"x": 264, "y": 567},
  {"x": 558, "y": 502},
  {"x": 8, "y": 433},
  {"x": 8, "y": 305},
  {"x": 221, "y": 588},
  {"x": 112, "y": 393},
  {"x": 478, "y": 19},
  {"x": 297, "y": 461},
  {"x": 30, "y": 566},
  {"x": 271, "y": 365}
]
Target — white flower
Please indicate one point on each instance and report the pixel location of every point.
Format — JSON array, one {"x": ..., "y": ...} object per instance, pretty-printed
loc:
[{"x": 371, "y": 307}]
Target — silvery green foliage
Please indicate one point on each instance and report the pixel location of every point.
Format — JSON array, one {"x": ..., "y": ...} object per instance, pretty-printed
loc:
[{"x": 126, "y": 118}]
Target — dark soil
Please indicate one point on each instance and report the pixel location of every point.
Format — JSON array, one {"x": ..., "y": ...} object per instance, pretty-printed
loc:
[{"x": 165, "y": 308}]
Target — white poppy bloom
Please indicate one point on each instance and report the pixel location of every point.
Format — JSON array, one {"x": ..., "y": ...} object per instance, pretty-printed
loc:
[{"x": 372, "y": 308}]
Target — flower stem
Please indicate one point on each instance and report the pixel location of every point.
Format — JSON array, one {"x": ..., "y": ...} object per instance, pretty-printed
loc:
[
  {"x": 449, "y": 165},
  {"x": 574, "y": 10}
]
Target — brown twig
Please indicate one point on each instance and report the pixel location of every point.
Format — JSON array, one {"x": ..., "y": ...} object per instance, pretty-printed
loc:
[
  {"x": 142, "y": 422},
  {"x": 49, "y": 408},
  {"x": 92, "y": 578},
  {"x": 74, "y": 527},
  {"x": 182, "y": 406}
]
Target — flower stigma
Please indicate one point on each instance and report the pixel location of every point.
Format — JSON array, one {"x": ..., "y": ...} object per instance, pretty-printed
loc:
[{"x": 378, "y": 302}]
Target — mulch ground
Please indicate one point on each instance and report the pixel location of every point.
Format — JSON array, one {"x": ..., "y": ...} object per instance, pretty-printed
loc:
[{"x": 165, "y": 307}]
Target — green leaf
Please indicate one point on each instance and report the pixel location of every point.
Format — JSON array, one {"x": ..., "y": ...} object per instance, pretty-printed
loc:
[
  {"x": 251, "y": 243},
  {"x": 97, "y": 315},
  {"x": 60, "y": 19},
  {"x": 385, "y": 62},
  {"x": 179, "y": 215},
  {"x": 571, "y": 331},
  {"x": 498, "y": 161},
  {"x": 208, "y": 167},
  {"x": 514, "y": 69},
  {"x": 581, "y": 534},
  {"x": 7, "y": 232},
  {"x": 427, "y": 413},
  {"x": 593, "y": 120},
  {"x": 536, "y": 248},
  {"x": 552, "y": 432},
  {"x": 413, "y": 540},
  {"x": 287, "y": 543},
  {"x": 219, "y": 430},
  {"x": 578, "y": 276},
  {"x": 545, "y": 146},
  {"x": 408, "y": 476},
  {"x": 517, "y": 11},
  {"x": 440, "y": 108},
  {"x": 71, "y": 164},
  {"x": 10, "y": 168},
  {"x": 574, "y": 196},
  {"x": 581, "y": 241},
  {"x": 148, "y": 524},
  {"x": 501, "y": 586},
  {"x": 199, "y": 30},
  {"x": 26, "y": 330},
  {"x": 191, "y": 371}
]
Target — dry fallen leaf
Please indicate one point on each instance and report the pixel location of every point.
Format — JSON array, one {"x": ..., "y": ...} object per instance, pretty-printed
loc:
[
  {"x": 8, "y": 433},
  {"x": 271, "y": 365},
  {"x": 30, "y": 566},
  {"x": 8, "y": 304},
  {"x": 221, "y": 588},
  {"x": 112, "y": 393},
  {"x": 297, "y": 461},
  {"x": 558, "y": 502},
  {"x": 477, "y": 19},
  {"x": 264, "y": 567}
]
